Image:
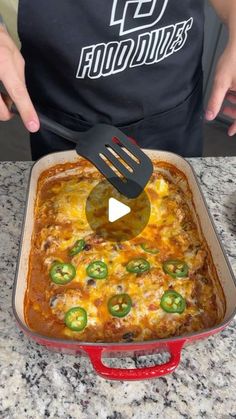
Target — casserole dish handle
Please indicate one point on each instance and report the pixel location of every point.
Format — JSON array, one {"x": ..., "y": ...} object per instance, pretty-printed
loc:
[{"x": 174, "y": 348}]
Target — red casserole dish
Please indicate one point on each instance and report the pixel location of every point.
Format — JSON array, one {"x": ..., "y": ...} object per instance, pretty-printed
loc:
[{"x": 96, "y": 351}]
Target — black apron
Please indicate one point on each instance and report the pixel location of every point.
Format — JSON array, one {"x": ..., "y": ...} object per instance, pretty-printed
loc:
[{"x": 136, "y": 65}]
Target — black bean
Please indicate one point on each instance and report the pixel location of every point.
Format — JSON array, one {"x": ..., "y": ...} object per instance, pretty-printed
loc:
[
  {"x": 128, "y": 336},
  {"x": 87, "y": 247},
  {"x": 46, "y": 246},
  {"x": 91, "y": 282},
  {"x": 53, "y": 301}
]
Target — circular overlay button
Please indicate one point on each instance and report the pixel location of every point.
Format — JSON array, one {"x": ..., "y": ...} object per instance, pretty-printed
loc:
[{"x": 115, "y": 217}]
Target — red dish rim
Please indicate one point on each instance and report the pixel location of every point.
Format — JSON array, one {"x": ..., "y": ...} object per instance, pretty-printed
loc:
[{"x": 94, "y": 350}]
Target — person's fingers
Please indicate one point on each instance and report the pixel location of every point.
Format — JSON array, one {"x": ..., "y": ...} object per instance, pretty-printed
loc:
[
  {"x": 231, "y": 112},
  {"x": 231, "y": 97},
  {"x": 216, "y": 100},
  {"x": 17, "y": 91},
  {"x": 5, "y": 114},
  {"x": 232, "y": 130}
]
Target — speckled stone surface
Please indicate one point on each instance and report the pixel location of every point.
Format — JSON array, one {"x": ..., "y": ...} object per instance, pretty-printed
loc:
[{"x": 36, "y": 383}]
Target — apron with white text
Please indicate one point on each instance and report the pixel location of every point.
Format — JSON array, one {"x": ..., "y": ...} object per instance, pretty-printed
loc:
[{"x": 133, "y": 64}]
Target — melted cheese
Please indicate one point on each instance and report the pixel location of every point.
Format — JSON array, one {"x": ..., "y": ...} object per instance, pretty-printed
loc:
[{"x": 60, "y": 221}]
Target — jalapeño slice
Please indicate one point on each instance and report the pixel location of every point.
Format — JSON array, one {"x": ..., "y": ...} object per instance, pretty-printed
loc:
[
  {"x": 76, "y": 319},
  {"x": 148, "y": 249},
  {"x": 62, "y": 273},
  {"x": 119, "y": 305},
  {"x": 173, "y": 302},
  {"x": 138, "y": 265},
  {"x": 176, "y": 268},
  {"x": 77, "y": 248},
  {"x": 97, "y": 270}
]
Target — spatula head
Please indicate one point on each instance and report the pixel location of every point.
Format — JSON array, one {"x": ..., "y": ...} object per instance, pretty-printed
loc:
[{"x": 121, "y": 161}]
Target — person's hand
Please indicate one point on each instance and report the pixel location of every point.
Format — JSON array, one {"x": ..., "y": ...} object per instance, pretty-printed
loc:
[
  {"x": 12, "y": 75},
  {"x": 224, "y": 88}
]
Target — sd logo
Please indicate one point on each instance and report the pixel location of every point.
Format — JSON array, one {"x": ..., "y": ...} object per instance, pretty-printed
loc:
[{"x": 134, "y": 15}]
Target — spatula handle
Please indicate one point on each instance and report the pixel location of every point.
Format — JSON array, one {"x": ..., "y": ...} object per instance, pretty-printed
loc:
[{"x": 51, "y": 125}]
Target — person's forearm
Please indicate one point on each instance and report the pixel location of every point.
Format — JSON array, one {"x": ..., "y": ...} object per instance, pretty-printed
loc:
[
  {"x": 12, "y": 76},
  {"x": 224, "y": 86},
  {"x": 226, "y": 9}
]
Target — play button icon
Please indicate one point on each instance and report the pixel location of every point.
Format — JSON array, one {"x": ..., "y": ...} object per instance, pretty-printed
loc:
[
  {"x": 114, "y": 217},
  {"x": 117, "y": 210}
]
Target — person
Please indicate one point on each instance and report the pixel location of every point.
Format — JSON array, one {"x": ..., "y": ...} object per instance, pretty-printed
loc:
[{"x": 133, "y": 64}]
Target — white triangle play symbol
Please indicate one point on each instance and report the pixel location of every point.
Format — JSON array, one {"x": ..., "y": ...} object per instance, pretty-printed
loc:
[{"x": 117, "y": 210}]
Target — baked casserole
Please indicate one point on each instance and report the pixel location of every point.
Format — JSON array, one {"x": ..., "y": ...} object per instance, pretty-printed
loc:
[{"x": 161, "y": 283}]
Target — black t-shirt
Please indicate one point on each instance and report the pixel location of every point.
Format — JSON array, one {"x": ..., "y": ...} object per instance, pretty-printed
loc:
[{"x": 115, "y": 61}]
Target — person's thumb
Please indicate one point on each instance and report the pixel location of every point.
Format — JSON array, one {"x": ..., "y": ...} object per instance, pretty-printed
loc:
[{"x": 219, "y": 90}]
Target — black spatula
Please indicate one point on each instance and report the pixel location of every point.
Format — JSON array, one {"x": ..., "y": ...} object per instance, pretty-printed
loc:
[{"x": 108, "y": 149}]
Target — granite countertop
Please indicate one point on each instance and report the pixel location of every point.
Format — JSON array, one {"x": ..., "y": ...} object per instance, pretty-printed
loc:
[{"x": 36, "y": 383}]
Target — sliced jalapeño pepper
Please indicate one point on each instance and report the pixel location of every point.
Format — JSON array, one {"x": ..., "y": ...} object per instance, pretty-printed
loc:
[
  {"x": 76, "y": 319},
  {"x": 77, "y": 248},
  {"x": 119, "y": 305},
  {"x": 176, "y": 268},
  {"x": 148, "y": 249},
  {"x": 173, "y": 302},
  {"x": 62, "y": 273},
  {"x": 97, "y": 270},
  {"x": 138, "y": 265}
]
